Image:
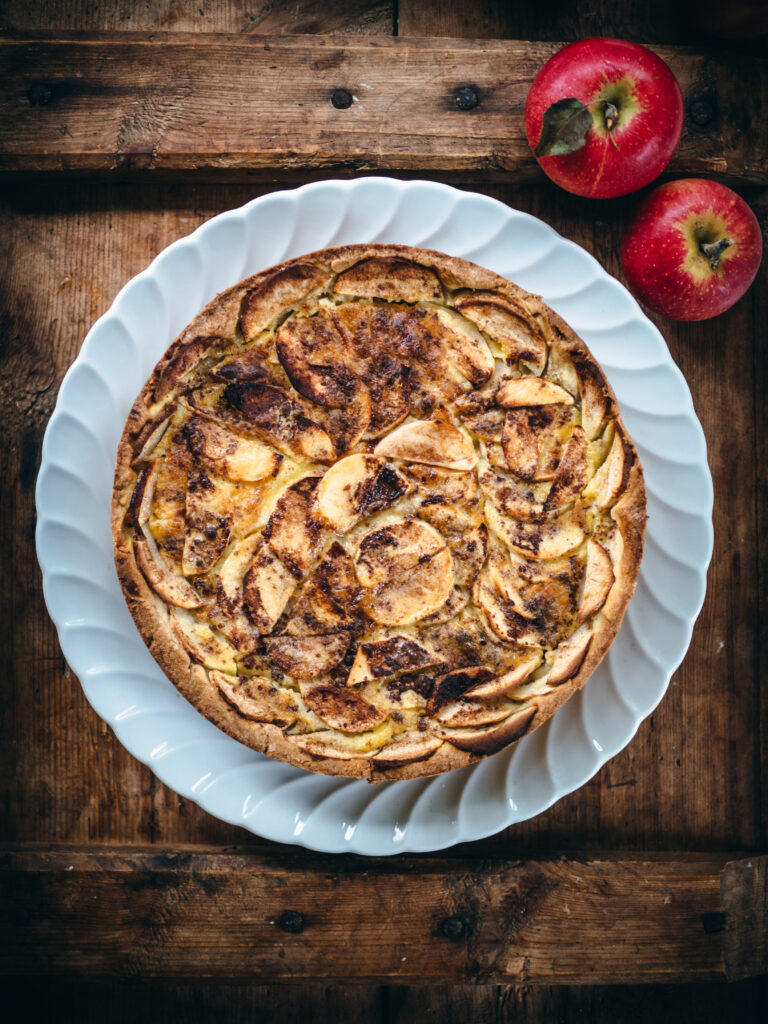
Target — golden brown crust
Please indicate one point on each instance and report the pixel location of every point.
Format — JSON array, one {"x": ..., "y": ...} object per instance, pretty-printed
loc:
[{"x": 417, "y": 278}]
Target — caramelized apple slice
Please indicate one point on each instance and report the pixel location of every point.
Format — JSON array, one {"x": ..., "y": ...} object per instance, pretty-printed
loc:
[
  {"x": 202, "y": 643},
  {"x": 309, "y": 656},
  {"x": 595, "y": 401},
  {"x": 168, "y": 585},
  {"x": 502, "y": 321},
  {"x": 269, "y": 413},
  {"x": 508, "y": 681},
  {"x": 330, "y": 599},
  {"x": 465, "y": 347},
  {"x": 267, "y": 588},
  {"x": 453, "y": 685},
  {"x": 257, "y": 699},
  {"x": 389, "y": 277},
  {"x": 598, "y": 580},
  {"x": 537, "y": 539},
  {"x": 407, "y": 750},
  {"x": 239, "y": 459},
  {"x": 524, "y": 391},
  {"x": 604, "y": 488},
  {"x": 493, "y": 738},
  {"x": 570, "y": 657},
  {"x": 571, "y": 473},
  {"x": 278, "y": 292},
  {"x": 341, "y": 708},
  {"x": 406, "y": 569},
  {"x": 355, "y": 487},
  {"x": 209, "y": 522},
  {"x": 293, "y": 531},
  {"x": 431, "y": 442},
  {"x": 394, "y": 656}
]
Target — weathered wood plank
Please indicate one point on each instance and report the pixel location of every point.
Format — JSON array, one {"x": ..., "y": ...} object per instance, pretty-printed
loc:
[
  {"x": 234, "y": 106},
  {"x": 177, "y": 913},
  {"x": 263, "y": 16}
]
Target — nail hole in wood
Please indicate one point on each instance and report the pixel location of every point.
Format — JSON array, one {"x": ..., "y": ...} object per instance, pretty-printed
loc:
[
  {"x": 713, "y": 922},
  {"x": 467, "y": 98},
  {"x": 39, "y": 94},
  {"x": 291, "y": 921},
  {"x": 452, "y": 927},
  {"x": 341, "y": 99}
]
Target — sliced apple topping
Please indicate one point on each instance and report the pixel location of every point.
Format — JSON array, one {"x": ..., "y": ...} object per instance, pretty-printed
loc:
[
  {"x": 598, "y": 580},
  {"x": 455, "y": 488},
  {"x": 209, "y": 522},
  {"x": 407, "y": 750},
  {"x": 533, "y": 437},
  {"x": 167, "y": 584},
  {"x": 341, "y": 708},
  {"x": 269, "y": 413},
  {"x": 469, "y": 714},
  {"x": 465, "y": 347},
  {"x": 267, "y": 587},
  {"x": 306, "y": 657},
  {"x": 395, "y": 656},
  {"x": 502, "y": 618},
  {"x": 431, "y": 442},
  {"x": 538, "y": 539},
  {"x": 202, "y": 643},
  {"x": 492, "y": 738},
  {"x": 561, "y": 369},
  {"x": 529, "y": 391},
  {"x": 184, "y": 359},
  {"x": 389, "y": 387},
  {"x": 278, "y": 292},
  {"x": 511, "y": 498},
  {"x": 502, "y": 684},
  {"x": 358, "y": 486},
  {"x": 570, "y": 656},
  {"x": 604, "y": 488},
  {"x": 505, "y": 581},
  {"x": 502, "y": 321},
  {"x": 257, "y": 699},
  {"x": 389, "y": 277},
  {"x": 293, "y": 531},
  {"x": 407, "y": 571},
  {"x": 237, "y": 458},
  {"x": 330, "y": 599},
  {"x": 595, "y": 400},
  {"x": 314, "y": 360},
  {"x": 453, "y": 685},
  {"x": 140, "y": 505},
  {"x": 151, "y": 433},
  {"x": 571, "y": 473},
  {"x": 228, "y": 613}
]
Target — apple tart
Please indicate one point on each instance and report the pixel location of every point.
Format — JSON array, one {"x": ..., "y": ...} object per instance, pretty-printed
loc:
[{"x": 376, "y": 514}]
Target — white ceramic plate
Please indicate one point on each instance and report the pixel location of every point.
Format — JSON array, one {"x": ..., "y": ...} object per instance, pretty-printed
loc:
[{"x": 160, "y": 728}]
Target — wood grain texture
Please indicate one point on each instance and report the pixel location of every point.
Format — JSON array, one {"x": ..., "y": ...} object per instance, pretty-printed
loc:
[
  {"x": 162, "y": 102},
  {"x": 72, "y": 1001},
  {"x": 187, "y": 914},
  {"x": 231, "y": 16}
]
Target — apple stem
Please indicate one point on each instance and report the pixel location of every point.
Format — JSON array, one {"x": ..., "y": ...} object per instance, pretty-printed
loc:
[
  {"x": 714, "y": 250},
  {"x": 610, "y": 115}
]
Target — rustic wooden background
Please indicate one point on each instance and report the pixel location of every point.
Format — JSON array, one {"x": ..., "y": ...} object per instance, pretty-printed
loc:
[{"x": 693, "y": 779}]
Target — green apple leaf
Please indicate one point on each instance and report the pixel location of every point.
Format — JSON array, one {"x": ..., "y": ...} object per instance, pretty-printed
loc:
[{"x": 564, "y": 128}]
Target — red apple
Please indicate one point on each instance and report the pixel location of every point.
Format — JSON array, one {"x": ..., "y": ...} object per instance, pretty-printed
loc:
[
  {"x": 692, "y": 249},
  {"x": 604, "y": 117}
]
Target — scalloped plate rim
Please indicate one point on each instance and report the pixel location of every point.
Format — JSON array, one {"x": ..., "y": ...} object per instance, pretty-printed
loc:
[{"x": 509, "y": 215}]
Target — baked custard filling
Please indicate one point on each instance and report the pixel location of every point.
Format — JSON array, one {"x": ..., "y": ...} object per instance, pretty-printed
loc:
[{"x": 376, "y": 514}]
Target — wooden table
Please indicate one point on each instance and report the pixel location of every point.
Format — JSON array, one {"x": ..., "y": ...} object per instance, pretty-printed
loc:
[{"x": 124, "y": 902}]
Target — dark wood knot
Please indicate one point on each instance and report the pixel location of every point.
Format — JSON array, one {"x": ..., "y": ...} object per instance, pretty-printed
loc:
[
  {"x": 701, "y": 112},
  {"x": 467, "y": 98},
  {"x": 341, "y": 99},
  {"x": 40, "y": 94},
  {"x": 291, "y": 921},
  {"x": 452, "y": 927}
]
